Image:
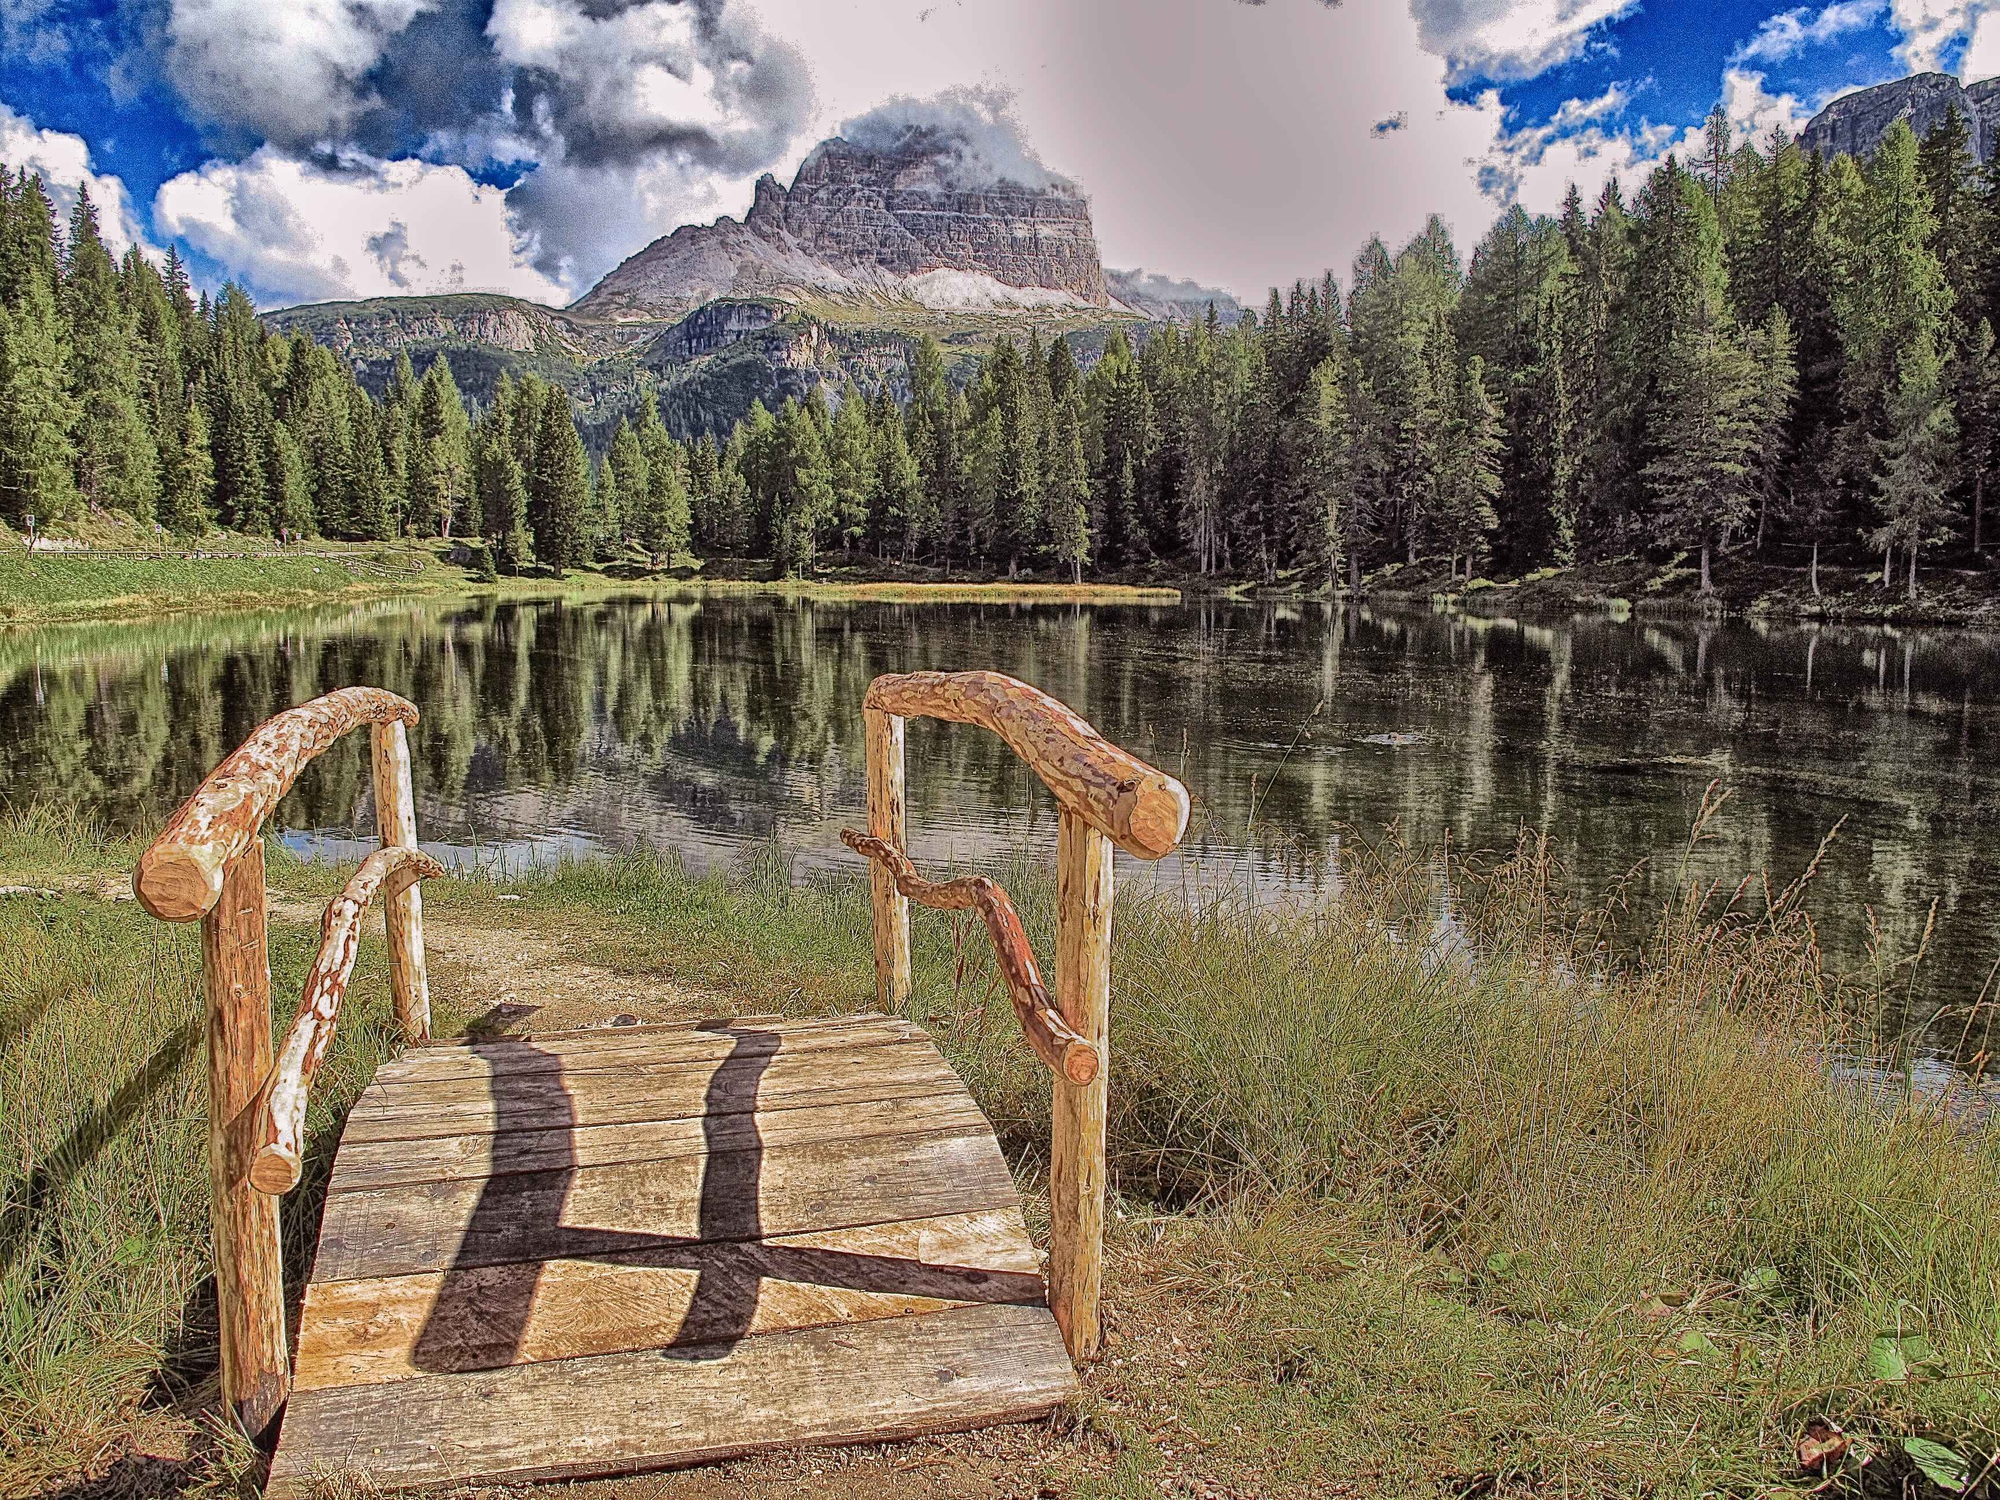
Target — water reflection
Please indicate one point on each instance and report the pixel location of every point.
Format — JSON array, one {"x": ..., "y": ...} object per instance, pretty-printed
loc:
[{"x": 707, "y": 725}]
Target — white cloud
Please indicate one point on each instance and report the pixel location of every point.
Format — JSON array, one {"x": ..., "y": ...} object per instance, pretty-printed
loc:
[
  {"x": 298, "y": 231},
  {"x": 1755, "y": 112},
  {"x": 63, "y": 161},
  {"x": 1535, "y": 164},
  {"x": 1510, "y": 38},
  {"x": 1791, "y": 31},
  {"x": 288, "y": 71},
  {"x": 1929, "y": 28},
  {"x": 1982, "y": 53}
]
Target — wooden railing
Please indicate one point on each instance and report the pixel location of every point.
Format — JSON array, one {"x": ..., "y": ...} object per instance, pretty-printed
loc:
[
  {"x": 208, "y": 863},
  {"x": 1106, "y": 798}
]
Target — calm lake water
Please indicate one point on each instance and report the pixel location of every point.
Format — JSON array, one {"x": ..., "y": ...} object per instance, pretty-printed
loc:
[{"x": 710, "y": 726}]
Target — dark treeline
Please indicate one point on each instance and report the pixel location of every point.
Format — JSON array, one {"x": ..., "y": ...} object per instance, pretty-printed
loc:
[{"x": 1763, "y": 352}]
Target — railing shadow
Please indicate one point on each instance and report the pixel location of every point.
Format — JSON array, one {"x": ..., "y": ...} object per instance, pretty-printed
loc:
[
  {"x": 25, "y": 1197},
  {"x": 486, "y": 1302}
]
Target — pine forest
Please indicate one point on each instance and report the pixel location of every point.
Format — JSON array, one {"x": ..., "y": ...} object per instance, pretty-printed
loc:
[{"x": 1762, "y": 351}]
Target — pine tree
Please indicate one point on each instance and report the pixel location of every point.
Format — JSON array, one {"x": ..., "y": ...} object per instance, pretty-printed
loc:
[
  {"x": 117, "y": 465},
  {"x": 1705, "y": 434},
  {"x": 1067, "y": 488},
  {"x": 560, "y": 493},
  {"x": 1774, "y": 358},
  {"x": 907, "y": 520},
  {"x": 1979, "y": 425},
  {"x": 851, "y": 454},
  {"x": 1913, "y": 480},
  {"x": 285, "y": 485},
  {"x": 188, "y": 478},
  {"x": 1471, "y": 471},
  {"x": 238, "y": 415},
  {"x": 36, "y": 409},
  {"x": 802, "y": 495},
  {"x": 439, "y": 437}
]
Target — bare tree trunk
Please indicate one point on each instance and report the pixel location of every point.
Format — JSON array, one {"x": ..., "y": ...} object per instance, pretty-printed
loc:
[
  {"x": 1706, "y": 587},
  {"x": 1913, "y": 573},
  {"x": 1354, "y": 573},
  {"x": 1888, "y": 558},
  {"x": 1979, "y": 513},
  {"x": 1815, "y": 569}
]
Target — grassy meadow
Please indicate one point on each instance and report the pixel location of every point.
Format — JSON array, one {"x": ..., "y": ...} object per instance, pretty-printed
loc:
[{"x": 1541, "y": 1224}]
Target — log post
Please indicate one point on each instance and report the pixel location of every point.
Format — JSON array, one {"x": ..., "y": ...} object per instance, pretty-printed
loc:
[
  {"x": 402, "y": 910},
  {"x": 249, "y": 1259},
  {"x": 1076, "y": 1155},
  {"x": 885, "y": 821}
]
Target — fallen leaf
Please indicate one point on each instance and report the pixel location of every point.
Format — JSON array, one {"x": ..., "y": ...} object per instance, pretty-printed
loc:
[{"x": 1823, "y": 1446}]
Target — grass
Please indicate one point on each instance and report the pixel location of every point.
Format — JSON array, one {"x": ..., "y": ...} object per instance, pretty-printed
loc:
[
  {"x": 66, "y": 588},
  {"x": 1534, "y": 1225}
]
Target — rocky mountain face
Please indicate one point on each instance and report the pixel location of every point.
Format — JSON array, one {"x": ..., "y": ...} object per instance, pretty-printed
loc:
[
  {"x": 824, "y": 282},
  {"x": 875, "y": 226},
  {"x": 1855, "y": 123}
]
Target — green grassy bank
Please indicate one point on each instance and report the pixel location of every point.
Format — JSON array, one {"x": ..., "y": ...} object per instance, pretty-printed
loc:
[
  {"x": 67, "y": 588},
  {"x": 1417, "y": 1227}
]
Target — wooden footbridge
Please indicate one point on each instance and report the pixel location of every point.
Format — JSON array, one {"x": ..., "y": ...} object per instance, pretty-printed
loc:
[{"x": 592, "y": 1253}]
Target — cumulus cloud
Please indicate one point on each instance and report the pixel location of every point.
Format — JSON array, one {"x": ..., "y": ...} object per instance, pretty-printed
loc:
[
  {"x": 1791, "y": 31},
  {"x": 1930, "y": 28},
  {"x": 289, "y": 72},
  {"x": 974, "y": 130},
  {"x": 1982, "y": 53},
  {"x": 637, "y": 80},
  {"x": 1534, "y": 165},
  {"x": 359, "y": 227},
  {"x": 1505, "y": 39},
  {"x": 63, "y": 162}
]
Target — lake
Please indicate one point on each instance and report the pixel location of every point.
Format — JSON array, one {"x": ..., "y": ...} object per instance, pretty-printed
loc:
[{"x": 712, "y": 725}]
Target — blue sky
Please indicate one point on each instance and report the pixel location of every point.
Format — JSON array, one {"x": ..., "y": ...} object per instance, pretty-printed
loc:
[{"x": 318, "y": 149}]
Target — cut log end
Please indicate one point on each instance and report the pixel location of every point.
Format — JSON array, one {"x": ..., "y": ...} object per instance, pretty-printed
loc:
[
  {"x": 175, "y": 885},
  {"x": 275, "y": 1171},
  {"x": 1081, "y": 1063}
]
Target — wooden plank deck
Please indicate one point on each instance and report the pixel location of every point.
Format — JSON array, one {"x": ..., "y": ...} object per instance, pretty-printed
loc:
[{"x": 601, "y": 1252}]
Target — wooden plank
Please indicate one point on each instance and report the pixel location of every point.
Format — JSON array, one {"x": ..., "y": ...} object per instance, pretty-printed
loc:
[
  {"x": 363, "y": 1165},
  {"x": 620, "y": 1413},
  {"x": 725, "y": 1196},
  {"x": 648, "y": 1092},
  {"x": 400, "y": 1328},
  {"x": 512, "y": 1055}
]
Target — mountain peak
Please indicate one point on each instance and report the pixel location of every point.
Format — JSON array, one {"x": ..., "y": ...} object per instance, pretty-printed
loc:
[{"x": 919, "y": 216}]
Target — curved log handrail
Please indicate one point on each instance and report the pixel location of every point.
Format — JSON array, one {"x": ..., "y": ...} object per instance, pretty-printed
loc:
[
  {"x": 281, "y": 1110},
  {"x": 1053, "y": 1039},
  {"x": 1141, "y": 810},
  {"x": 180, "y": 875}
]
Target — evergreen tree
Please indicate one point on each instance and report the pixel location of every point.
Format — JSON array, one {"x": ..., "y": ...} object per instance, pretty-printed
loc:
[
  {"x": 1067, "y": 487},
  {"x": 851, "y": 454},
  {"x": 36, "y": 409},
  {"x": 802, "y": 495},
  {"x": 1913, "y": 480},
  {"x": 188, "y": 478},
  {"x": 559, "y": 496},
  {"x": 117, "y": 465}
]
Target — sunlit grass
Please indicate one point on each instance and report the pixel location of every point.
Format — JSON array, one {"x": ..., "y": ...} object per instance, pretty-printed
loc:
[{"x": 1471, "y": 1210}]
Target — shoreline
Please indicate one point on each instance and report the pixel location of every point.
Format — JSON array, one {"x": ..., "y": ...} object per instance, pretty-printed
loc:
[{"x": 80, "y": 587}]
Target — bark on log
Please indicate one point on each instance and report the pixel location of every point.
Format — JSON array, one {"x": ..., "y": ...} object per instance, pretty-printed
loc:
[
  {"x": 1142, "y": 810},
  {"x": 1068, "y": 1054},
  {"x": 1076, "y": 1156},
  {"x": 281, "y": 1114},
  {"x": 885, "y": 822},
  {"x": 249, "y": 1259},
  {"x": 403, "y": 909},
  {"x": 180, "y": 876}
]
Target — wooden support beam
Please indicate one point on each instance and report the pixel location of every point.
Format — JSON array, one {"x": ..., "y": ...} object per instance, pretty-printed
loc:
[
  {"x": 249, "y": 1259},
  {"x": 1051, "y": 1037},
  {"x": 885, "y": 822},
  {"x": 403, "y": 909},
  {"x": 280, "y": 1116},
  {"x": 1076, "y": 1168}
]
